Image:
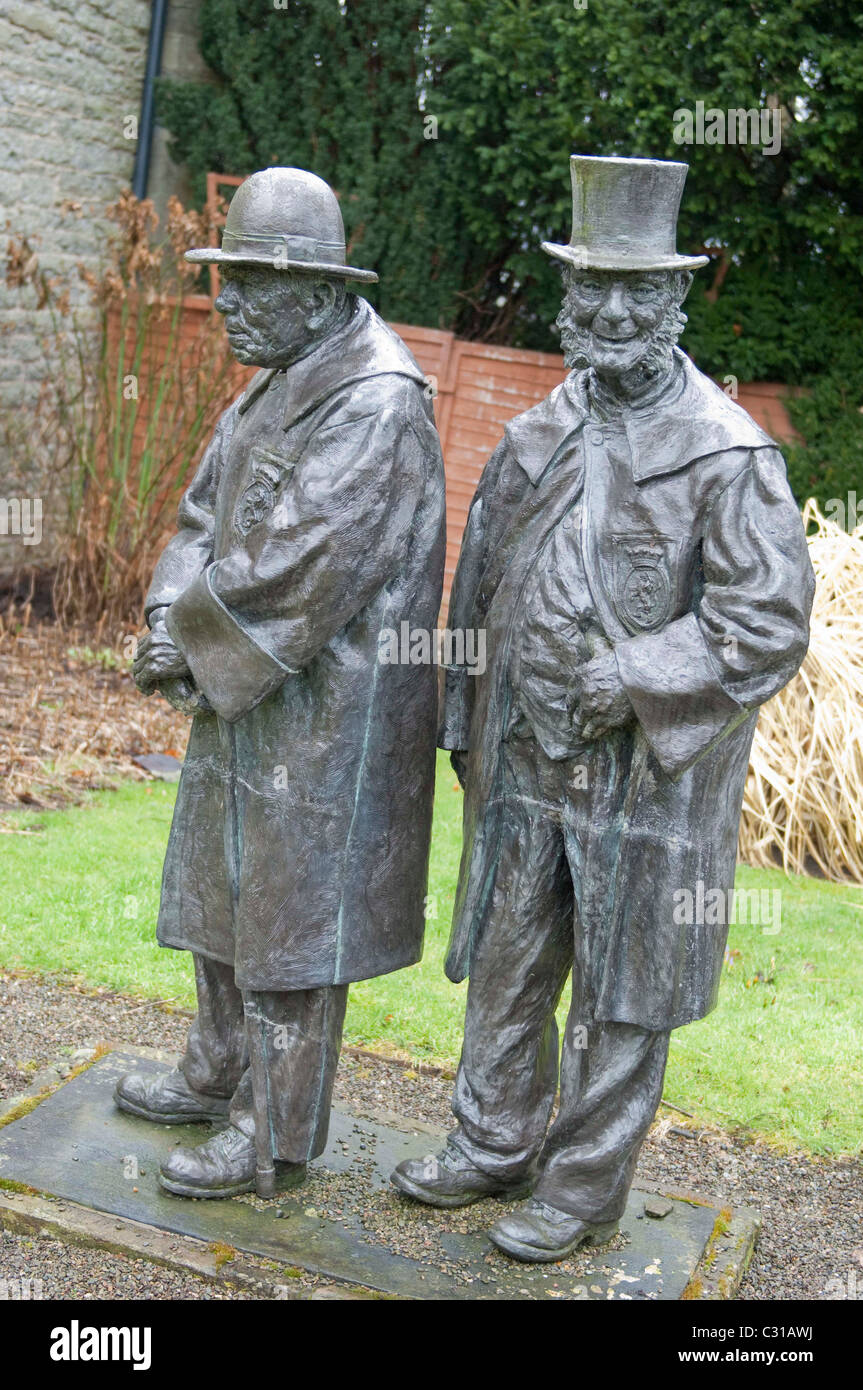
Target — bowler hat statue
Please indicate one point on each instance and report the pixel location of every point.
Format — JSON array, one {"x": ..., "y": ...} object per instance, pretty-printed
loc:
[
  {"x": 287, "y": 219},
  {"x": 624, "y": 215}
]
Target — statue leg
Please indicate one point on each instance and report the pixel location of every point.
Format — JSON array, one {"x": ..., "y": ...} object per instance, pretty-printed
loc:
[
  {"x": 611, "y": 1086},
  {"x": 200, "y": 1088},
  {"x": 284, "y": 1099},
  {"x": 216, "y": 1054},
  {"x": 611, "y": 1074},
  {"x": 508, "y": 1072},
  {"x": 279, "y": 1113},
  {"x": 507, "y": 1075}
]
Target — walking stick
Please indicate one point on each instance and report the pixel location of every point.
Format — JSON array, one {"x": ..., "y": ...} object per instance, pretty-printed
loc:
[{"x": 259, "y": 1060}]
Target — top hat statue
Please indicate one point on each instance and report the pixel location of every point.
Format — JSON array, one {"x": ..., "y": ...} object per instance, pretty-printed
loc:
[{"x": 624, "y": 215}]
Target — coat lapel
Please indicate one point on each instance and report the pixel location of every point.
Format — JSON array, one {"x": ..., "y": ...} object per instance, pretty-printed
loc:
[
  {"x": 535, "y": 436},
  {"x": 692, "y": 419},
  {"x": 256, "y": 387},
  {"x": 365, "y": 347},
  {"x": 540, "y": 509},
  {"x": 611, "y": 625}
]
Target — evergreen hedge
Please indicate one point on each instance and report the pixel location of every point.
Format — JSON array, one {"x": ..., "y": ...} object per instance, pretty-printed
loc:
[{"x": 447, "y": 125}]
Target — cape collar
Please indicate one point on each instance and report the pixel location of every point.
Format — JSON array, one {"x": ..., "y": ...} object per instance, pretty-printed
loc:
[
  {"x": 691, "y": 419},
  {"x": 364, "y": 347}
]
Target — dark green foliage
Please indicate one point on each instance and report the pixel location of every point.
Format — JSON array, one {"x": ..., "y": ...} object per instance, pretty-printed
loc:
[
  {"x": 453, "y": 223},
  {"x": 336, "y": 92},
  {"x": 830, "y": 418}
]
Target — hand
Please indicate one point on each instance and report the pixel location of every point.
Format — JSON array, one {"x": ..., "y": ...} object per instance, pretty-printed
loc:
[
  {"x": 182, "y": 694},
  {"x": 602, "y": 703},
  {"x": 157, "y": 659}
]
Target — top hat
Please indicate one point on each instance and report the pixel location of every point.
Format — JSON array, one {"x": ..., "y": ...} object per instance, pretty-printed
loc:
[
  {"x": 624, "y": 215},
  {"x": 287, "y": 219}
]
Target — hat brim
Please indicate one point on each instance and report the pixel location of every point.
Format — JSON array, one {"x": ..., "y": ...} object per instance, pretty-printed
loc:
[
  {"x": 211, "y": 255},
  {"x": 584, "y": 259}
]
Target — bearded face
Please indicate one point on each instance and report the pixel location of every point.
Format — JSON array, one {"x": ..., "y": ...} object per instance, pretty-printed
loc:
[{"x": 623, "y": 324}]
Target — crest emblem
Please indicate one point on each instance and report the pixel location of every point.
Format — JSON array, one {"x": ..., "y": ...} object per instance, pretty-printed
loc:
[
  {"x": 259, "y": 497},
  {"x": 644, "y": 585}
]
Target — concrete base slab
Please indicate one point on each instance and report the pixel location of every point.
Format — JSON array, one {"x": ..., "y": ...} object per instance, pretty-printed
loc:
[{"x": 346, "y": 1223}]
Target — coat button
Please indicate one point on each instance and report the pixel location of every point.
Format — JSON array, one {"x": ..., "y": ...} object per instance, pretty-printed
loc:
[{"x": 596, "y": 437}]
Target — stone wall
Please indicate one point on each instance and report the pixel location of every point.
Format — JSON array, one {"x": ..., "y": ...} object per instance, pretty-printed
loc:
[{"x": 70, "y": 92}]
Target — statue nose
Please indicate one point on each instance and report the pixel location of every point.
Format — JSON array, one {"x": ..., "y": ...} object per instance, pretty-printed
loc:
[{"x": 614, "y": 309}]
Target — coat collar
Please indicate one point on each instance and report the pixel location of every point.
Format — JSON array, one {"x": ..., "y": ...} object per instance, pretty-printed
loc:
[
  {"x": 364, "y": 347},
  {"x": 536, "y": 435},
  {"x": 691, "y": 419}
]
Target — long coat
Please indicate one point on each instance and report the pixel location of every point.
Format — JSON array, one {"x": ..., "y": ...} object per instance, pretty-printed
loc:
[
  {"x": 700, "y": 519},
  {"x": 300, "y": 841}
]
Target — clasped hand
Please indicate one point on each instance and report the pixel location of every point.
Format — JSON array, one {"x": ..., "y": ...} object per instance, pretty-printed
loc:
[
  {"x": 157, "y": 659},
  {"x": 601, "y": 702}
]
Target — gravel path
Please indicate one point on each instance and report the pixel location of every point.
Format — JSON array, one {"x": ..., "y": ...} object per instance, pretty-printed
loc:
[
  {"x": 74, "y": 1271},
  {"x": 811, "y": 1244},
  {"x": 39, "y": 1022}
]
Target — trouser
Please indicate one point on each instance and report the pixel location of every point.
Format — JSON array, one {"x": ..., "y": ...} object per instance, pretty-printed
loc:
[
  {"x": 610, "y": 1074},
  {"x": 290, "y": 1040}
]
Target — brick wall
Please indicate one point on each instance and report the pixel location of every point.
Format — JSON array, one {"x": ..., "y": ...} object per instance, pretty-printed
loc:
[{"x": 72, "y": 72}]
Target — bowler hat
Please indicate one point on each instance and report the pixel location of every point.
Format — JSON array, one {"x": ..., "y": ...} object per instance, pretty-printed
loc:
[
  {"x": 287, "y": 219},
  {"x": 624, "y": 215}
]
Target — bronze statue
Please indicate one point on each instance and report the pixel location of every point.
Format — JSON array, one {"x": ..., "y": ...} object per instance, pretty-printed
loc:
[
  {"x": 298, "y": 855},
  {"x": 639, "y": 564}
]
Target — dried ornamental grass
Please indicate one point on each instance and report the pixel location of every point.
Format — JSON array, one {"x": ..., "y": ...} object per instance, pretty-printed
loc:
[
  {"x": 129, "y": 398},
  {"x": 803, "y": 804}
]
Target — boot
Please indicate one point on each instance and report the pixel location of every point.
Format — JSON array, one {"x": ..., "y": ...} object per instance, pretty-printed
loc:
[
  {"x": 167, "y": 1099},
  {"x": 538, "y": 1233},
  {"x": 224, "y": 1166},
  {"x": 450, "y": 1180}
]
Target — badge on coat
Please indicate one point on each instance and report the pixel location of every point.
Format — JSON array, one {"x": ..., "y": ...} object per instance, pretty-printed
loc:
[
  {"x": 644, "y": 580},
  {"x": 259, "y": 497}
]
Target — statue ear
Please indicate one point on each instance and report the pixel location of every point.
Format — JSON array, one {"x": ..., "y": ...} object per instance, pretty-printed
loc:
[
  {"x": 320, "y": 302},
  {"x": 684, "y": 278}
]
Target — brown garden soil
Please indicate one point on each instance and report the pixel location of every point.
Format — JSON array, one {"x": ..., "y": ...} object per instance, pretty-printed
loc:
[{"x": 71, "y": 719}]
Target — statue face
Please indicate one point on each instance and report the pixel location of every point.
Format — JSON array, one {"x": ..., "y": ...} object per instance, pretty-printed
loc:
[
  {"x": 611, "y": 320},
  {"x": 270, "y": 319}
]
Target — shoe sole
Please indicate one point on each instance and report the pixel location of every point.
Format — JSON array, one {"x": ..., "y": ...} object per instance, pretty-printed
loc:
[
  {"x": 430, "y": 1199},
  {"x": 529, "y": 1254},
  {"x": 202, "y": 1117},
  {"x": 181, "y": 1189}
]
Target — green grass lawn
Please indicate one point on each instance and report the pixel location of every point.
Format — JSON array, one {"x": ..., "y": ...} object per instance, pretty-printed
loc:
[{"x": 781, "y": 1055}]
